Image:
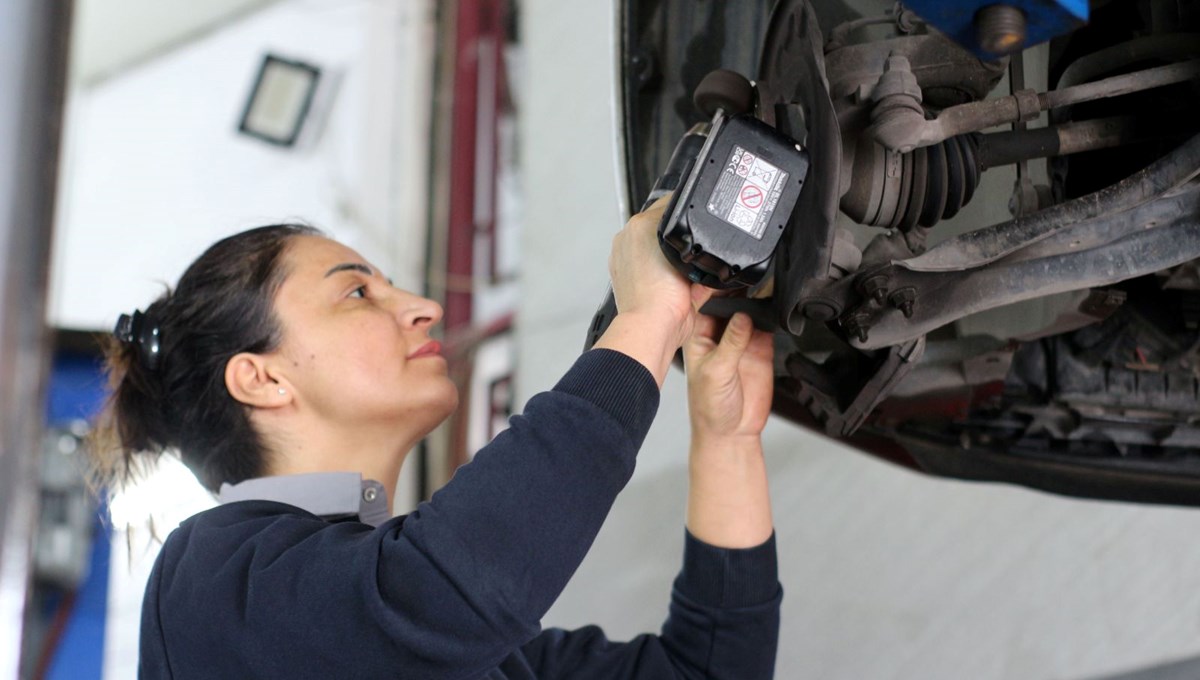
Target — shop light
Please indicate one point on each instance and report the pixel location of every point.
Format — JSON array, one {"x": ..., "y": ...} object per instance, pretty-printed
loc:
[{"x": 280, "y": 100}]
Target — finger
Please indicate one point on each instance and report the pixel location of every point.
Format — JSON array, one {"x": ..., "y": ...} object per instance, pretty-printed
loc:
[
  {"x": 735, "y": 340},
  {"x": 653, "y": 214},
  {"x": 700, "y": 295},
  {"x": 762, "y": 344},
  {"x": 705, "y": 327},
  {"x": 701, "y": 342},
  {"x": 661, "y": 204}
]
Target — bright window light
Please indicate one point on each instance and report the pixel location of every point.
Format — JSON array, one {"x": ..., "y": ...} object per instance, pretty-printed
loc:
[{"x": 164, "y": 494}]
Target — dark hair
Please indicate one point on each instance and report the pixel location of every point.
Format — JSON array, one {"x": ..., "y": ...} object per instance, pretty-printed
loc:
[{"x": 222, "y": 306}]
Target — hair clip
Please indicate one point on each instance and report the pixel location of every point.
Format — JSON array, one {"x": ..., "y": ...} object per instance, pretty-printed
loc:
[{"x": 140, "y": 330}]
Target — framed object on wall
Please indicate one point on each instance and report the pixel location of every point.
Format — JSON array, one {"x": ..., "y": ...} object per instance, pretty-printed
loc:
[{"x": 280, "y": 100}]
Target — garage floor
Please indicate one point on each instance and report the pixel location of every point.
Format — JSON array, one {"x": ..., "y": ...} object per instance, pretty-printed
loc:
[{"x": 886, "y": 574}]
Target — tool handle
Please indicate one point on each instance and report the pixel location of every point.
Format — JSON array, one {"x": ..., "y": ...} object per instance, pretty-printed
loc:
[
  {"x": 676, "y": 173},
  {"x": 601, "y": 319}
]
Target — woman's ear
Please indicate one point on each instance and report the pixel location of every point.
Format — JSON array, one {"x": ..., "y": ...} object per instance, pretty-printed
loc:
[{"x": 249, "y": 381}]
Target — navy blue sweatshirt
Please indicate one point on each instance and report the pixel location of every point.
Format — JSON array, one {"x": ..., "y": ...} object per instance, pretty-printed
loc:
[{"x": 456, "y": 589}]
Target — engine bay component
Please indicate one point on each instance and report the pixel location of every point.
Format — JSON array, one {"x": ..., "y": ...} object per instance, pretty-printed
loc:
[
  {"x": 922, "y": 187},
  {"x": 903, "y": 128},
  {"x": 911, "y": 329},
  {"x": 991, "y": 29},
  {"x": 1148, "y": 223}
]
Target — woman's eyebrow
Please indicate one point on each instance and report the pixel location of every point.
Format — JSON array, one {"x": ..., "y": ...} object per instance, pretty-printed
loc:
[{"x": 349, "y": 266}]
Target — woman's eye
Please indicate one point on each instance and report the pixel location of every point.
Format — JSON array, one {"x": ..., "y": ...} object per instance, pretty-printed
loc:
[{"x": 360, "y": 292}]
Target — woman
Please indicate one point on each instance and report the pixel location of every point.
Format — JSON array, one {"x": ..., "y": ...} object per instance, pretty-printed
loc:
[{"x": 294, "y": 380}]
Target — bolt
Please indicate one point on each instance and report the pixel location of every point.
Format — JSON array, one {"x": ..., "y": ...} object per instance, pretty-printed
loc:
[
  {"x": 875, "y": 287},
  {"x": 856, "y": 323},
  {"x": 643, "y": 68},
  {"x": 905, "y": 300},
  {"x": 1000, "y": 29}
]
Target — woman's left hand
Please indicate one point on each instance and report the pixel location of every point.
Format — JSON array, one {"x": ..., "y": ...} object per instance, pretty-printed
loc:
[
  {"x": 730, "y": 381},
  {"x": 730, "y": 384}
]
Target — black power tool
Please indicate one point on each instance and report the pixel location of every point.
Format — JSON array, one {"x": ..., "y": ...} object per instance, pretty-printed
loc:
[{"x": 735, "y": 182}]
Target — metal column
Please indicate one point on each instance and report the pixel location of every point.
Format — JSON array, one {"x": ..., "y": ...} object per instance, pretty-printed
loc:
[{"x": 33, "y": 57}]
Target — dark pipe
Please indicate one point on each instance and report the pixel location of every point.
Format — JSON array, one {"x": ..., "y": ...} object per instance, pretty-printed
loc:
[{"x": 1004, "y": 148}]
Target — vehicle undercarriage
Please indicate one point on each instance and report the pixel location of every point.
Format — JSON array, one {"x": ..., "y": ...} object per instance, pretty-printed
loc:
[{"x": 1058, "y": 349}]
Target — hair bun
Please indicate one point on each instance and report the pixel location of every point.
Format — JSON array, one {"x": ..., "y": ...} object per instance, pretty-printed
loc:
[{"x": 142, "y": 332}]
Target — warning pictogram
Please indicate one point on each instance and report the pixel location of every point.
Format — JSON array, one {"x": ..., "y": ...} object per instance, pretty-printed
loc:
[
  {"x": 747, "y": 192},
  {"x": 752, "y": 196}
]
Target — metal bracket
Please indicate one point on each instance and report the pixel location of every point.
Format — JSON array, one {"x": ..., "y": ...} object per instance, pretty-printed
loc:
[{"x": 842, "y": 410}]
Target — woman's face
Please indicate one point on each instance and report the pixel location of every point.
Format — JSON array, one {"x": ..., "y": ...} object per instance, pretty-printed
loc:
[{"x": 357, "y": 350}]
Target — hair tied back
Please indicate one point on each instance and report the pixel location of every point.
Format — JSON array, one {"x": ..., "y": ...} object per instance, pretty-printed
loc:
[{"x": 141, "y": 331}]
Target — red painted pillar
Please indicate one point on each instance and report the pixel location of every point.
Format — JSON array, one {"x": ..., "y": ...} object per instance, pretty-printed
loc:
[{"x": 478, "y": 65}]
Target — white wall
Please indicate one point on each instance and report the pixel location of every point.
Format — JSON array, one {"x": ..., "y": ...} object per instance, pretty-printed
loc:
[
  {"x": 111, "y": 35},
  {"x": 887, "y": 574},
  {"x": 155, "y": 171}
]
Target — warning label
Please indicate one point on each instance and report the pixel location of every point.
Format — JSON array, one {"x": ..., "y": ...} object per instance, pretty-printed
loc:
[{"x": 747, "y": 192}]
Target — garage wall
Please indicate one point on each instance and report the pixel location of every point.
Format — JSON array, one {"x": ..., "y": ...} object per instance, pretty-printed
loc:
[
  {"x": 155, "y": 170},
  {"x": 111, "y": 35},
  {"x": 887, "y": 574}
]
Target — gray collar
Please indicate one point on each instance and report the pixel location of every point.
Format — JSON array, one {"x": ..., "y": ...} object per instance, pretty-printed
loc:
[{"x": 326, "y": 494}]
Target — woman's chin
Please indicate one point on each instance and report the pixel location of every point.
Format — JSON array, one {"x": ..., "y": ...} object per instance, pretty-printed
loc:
[{"x": 451, "y": 403}]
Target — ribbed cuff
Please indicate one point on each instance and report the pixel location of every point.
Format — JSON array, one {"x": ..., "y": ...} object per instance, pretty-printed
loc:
[
  {"x": 728, "y": 577},
  {"x": 619, "y": 385}
]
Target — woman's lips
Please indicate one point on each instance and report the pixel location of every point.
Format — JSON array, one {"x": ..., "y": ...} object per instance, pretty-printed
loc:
[{"x": 431, "y": 348}]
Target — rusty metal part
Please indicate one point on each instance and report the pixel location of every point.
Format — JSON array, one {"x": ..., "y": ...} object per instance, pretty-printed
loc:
[
  {"x": 1000, "y": 29},
  {"x": 1121, "y": 85},
  {"x": 843, "y": 402},
  {"x": 1144, "y": 224},
  {"x": 1168, "y": 47},
  {"x": 985, "y": 245},
  {"x": 1112, "y": 247},
  {"x": 874, "y": 286},
  {"x": 947, "y": 74},
  {"x": 904, "y": 21},
  {"x": 1004, "y": 148},
  {"x": 1024, "y": 199},
  {"x": 958, "y": 120},
  {"x": 904, "y": 299}
]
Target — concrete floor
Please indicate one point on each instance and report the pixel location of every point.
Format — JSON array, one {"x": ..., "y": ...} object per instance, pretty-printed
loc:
[{"x": 886, "y": 574}]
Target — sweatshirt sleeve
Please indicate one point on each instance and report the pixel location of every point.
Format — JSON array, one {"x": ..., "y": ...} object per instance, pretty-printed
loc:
[
  {"x": 723, "y": 624},
  {"x": 449, "y": 590}
]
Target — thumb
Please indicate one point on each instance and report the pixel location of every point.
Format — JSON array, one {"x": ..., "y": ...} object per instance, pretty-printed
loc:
[{"x": 700, "y": 295}]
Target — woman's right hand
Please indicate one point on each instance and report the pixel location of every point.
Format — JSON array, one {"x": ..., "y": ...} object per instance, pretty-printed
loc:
[
  {"x": 656, "y": 306},
  {"x": 643, "y": 281}
]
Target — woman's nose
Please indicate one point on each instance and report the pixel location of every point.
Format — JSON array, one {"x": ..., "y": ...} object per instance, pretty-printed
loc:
[{"x": 417, "y": 312}]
